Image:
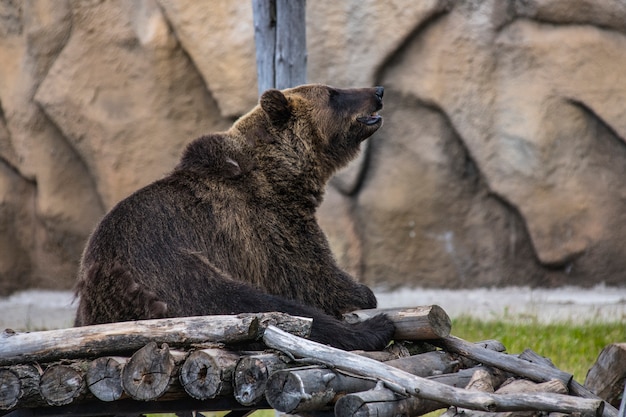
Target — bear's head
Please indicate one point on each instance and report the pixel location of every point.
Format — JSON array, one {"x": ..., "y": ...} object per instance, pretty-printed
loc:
[{"x": 311, "y": 131}]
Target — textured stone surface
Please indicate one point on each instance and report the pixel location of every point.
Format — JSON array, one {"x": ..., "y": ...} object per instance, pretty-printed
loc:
[{"x": 501, "y": 160}]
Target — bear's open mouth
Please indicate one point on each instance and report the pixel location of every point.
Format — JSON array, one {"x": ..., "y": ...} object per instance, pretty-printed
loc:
[{"x": 370, "y": 120}]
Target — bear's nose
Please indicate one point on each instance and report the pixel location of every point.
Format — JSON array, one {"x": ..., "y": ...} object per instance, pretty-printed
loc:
[{"x": 379, "y": 92}]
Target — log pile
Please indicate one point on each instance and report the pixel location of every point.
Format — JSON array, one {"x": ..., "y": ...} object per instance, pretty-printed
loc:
[{"x": 206, "y": 363}]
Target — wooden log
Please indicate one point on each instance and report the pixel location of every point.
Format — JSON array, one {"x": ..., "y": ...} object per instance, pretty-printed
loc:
[
  {"x": 104, "y": 378},
  {"x": 208, "y": 373},
  {"x": 19, "y": 384},
  {"x": 575, "y": 387},
  {"x": 417, "y": 323},
  {"x": 151, "y": 372},
  {"x": 382, "y": 402},
  {"x": 607, "y": 375},
  {"x": 427, "y": 364},
  {"x": 513, "y": 386},
  {"x": 406, "y": 383},
  {"x": 253, "y": 371},
  {"x": 510, "y": 363},
  {"x": 10, "y": 389},
  {"x": 63, "y": 384},
  {"x": 251, "y": 375},
  {"x": 126, "y": 337},
  {"x": 312, "y": 388}
]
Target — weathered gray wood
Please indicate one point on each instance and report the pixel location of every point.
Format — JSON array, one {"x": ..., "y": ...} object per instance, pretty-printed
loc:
[
  {"x": 427, "y": 364},
  {"x": 28, "y": 379},
  {"x": 382, "y": 402},
  {"x": 416, "y": 323},
  {"x": 151, "y": 372},
  {"x": 63, "y": 384},
  {"x": 311, "y": 388},
  {"x": 575, "y": 387},
  {"x": 208, "y": 373},
  {"x": 290, "y": 55},
  {"x": 404, "y": 382},
  {"x": 114, "y": 338},
  {"x": 264, "y": 13},
  {"x": 606, "y": 377},
  {"x": 533, "y": 371},
  {"x": 251, "y": 375},
  {"x": 10, "y": 389},
  {"x": 104, "y": 377},
  {"x": 513, "y": 386},
  {"x": 126, "y": 337},
  {"x": 622, "y": 407},
  {"x": 280, "y": 38}
]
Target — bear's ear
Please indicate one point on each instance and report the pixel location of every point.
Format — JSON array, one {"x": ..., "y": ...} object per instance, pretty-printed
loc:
[{"x": 276, "y": 106}]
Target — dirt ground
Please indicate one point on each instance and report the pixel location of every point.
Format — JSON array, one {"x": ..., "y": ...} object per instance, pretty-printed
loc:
[{"x": 39, "y": 310}]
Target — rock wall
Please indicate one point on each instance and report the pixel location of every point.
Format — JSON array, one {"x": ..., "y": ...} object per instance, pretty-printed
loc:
[{"x": 501, "y": 161}]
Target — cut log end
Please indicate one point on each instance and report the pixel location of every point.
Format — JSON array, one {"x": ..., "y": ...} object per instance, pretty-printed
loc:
[
  {"x": 61, "y": 385},
  {"x": 147, "y": 374},
  {"x": 104, "y": 378},
  {"x": 10, "y": 389}
]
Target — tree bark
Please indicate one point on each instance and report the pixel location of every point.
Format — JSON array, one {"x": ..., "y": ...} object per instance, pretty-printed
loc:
[
  {"x": 406, "y": 383},
  {"x": 417, "y": 323},
  {"x": 208, "y": 373}
]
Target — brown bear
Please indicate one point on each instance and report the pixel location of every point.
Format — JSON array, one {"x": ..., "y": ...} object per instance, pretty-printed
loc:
[{"x": 233, "y": 230}]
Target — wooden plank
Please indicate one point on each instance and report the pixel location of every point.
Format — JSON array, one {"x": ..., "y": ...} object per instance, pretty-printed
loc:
[{"x": 406, "y": 383}]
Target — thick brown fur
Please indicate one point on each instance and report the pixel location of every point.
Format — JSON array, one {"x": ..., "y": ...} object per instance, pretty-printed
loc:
[{"x": 232, "y": 229}]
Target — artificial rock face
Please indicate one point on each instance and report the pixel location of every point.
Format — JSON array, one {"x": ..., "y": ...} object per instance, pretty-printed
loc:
[{"x": 232, "y": 229}]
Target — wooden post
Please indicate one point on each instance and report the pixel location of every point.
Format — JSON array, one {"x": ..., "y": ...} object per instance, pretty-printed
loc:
[{"x": 280, "y": 38}]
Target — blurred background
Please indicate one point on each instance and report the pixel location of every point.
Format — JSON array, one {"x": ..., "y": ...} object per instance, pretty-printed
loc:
[{"x": 502, "y": 161}]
